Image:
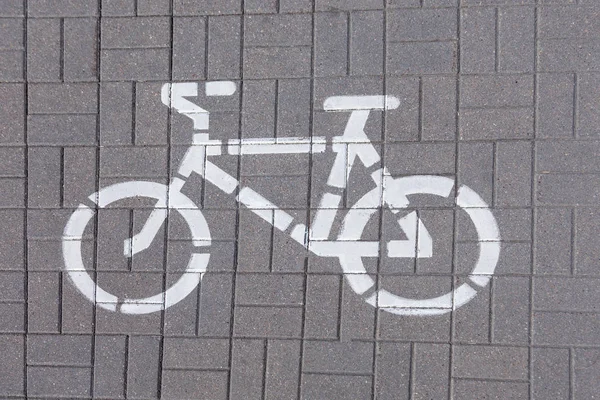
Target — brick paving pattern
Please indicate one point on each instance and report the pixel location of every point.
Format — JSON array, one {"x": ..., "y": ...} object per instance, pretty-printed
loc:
[{"x": 501, "y": 95}]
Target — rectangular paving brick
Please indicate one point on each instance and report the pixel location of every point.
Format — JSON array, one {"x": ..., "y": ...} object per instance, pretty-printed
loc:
[
  {"x": 565, "y": 328},
  {"x": 421, "y": 58},
  {"x": 331, "y": 50},
  {"x": 586, "y": 375},
  {"x": 516, "y": 37},
  {"x": 247, "y": 368},
  {"x": 61, "y": 129},
  {"x": 72, "y": 350},
  {"x": 180, "y": 384},
  {"x": 499, "y": 123},
  {"x": 110, "y": 360},
  {"x": 134, "y": 64},
  {"x": 224, "y": 47},
  {"x": 12, "y": 130},
  {"x": 431, "y": 370},
  {"x": 393, "y": 371},
  {"x": 143, "y": 366},
  {"x": 366, "y": 57},
  {"x": 471, "y": 390},
  {"x": 58, "y": 381},
  {"x": 135, "y": 32},
  {"x": 270, "y": 62},
  {"x": 196, "y": 353},
  {"x": 256, "y": 289},
  {"x": 191, "y": 7},
  {"x": 316, "y": 386},
  {"x": 496, "y": 91},
  {"x": 189, "y": 51},
  {"x": 43, "y": 50},
  {"x": 43, "y": 305},
  {"x": 439, "y": 108},
  {"x": 338, "y": 357},
  {"x": 12, "y": 368},
  {"x": 322, "y": 306},
  {"x": 550, "y": 373},
  {"x": 277, "y": 30},
  {"x": 268, "y": 321},
  {"x": 513, "y": 173},
  {"x": 67, "y": 8},
  {"x": 282, "y": 369},
  {"x": 478, "y": 40},
  {"x": 588, "y": 101},
  {"x": 510, "y": 308},
  {"x": 422, "y": 25},
  {"x": 80, "y": 49},
  {"x": 586, "y": 242},
  {"x": 555, "y": 105},
  {"x": 490, "y": 362},
  {"x": 553, "y": 246},
  {"x": 568, "y": 189}
]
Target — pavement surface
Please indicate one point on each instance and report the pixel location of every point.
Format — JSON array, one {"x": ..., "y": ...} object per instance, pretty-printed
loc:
[{"x": 502, "y": 96}]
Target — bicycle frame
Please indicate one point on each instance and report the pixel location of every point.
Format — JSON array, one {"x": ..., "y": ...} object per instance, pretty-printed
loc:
[{"x": 353, "y": 144}]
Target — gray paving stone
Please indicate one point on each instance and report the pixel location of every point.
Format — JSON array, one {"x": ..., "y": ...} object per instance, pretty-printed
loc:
[
  {"x": 357, "y": 317},
  {"x": 295, "y": 5},
  {"x": 330, "y": 5},
  {"x": 421, "y": 58},
  {"x": 12, "y": 130},
  {"x": 189, "y": 384},
  {"x": 439, "y": 108},
  {"x": 282, "y": 369},
  {"x": 140, "y": 32},
  {"x": 78, "y": 313},
  {"x": 338, "y": 357},
  {"x": 277, "y": 62},
  {"x": 331, "y": 51},
  {"x": 553, "y": 246},
  {"x": 468, "y": 389},
  {"x": 513, "y": 173},
  {"x": 134, "y": 64},
  {"x": 565, "y": 328},
  {"x": 151, "y": 116},
  {"x": 588, "y": 101},
  {"x": 64, "y": 129},
  {"x": 154, "y": 7},
  {"x": 477, "y": 41},
  {"x": 74, "y": 98},
  {"x": 476, "y": 168},
  {"x": 196, "y": 353},
  {"x": 422, "y": 25},
  {"x": 11, "y": 9},
  {"x": 58, "y": 381},
  {"x": 496, "y": 91},
  {"x": 322, "y": 306},
  {"x": 67, "y": 8},
  {"x": 80, "y": 47},
  {"x": 586, "y": 373},
  {"x": 44, "y": 167},
  {"x": 143, "y": 367},
  {"x": 68, "y": 350},
  {"x": 43, "y": 50},
  {"x": 110, "y": 359},
  {"x": 258, "y": 108},
  {"x": 488, "y": 124},
  {"x": 11, "y": 65},
  {"x": 79, "y": 179},
  {"x": 393, "y": 371},
  {"x": 11, "y": 240},
  {"x": 43, "y": 308},
  {"x": 293, "y": 108},
  {"x": 510, "y": 310},
  {"x": 516, "y": 37},
  {"x": 585, "y": 250},
  {"x": 268, "y": 321},
  {"x": 260, "y": 7},
  {"x": 11, "y": 30},
  {"x": 12, "y": 286},
  {"x": 247, "y": 368},
  {"x": 559, "y": 55},
  {"x": 12, "y": 367},
  {"x": 431, "y": 371},
  {"x": 14, "y": 316},
  {"x": 550, "y": 373},
  {"x": 139, "y": 161},
  {"x": 277, "y": 30},
  {"x": 555, "y": 105},
  {"x": 224, "y": 47},
  {"x": 472, "y": 322},
  {"x": 568, "y": 189},
  {"x": 116, "y": 110},
  {"x": 420, "y": 158},
  {"x": 189, "y": 51},
  {"x": 490, "y": 362},
  {"x": 317, "y": 386},
  {"x": 215, "y": 305},
  {"x": 115, "y": 8},
  {"x": 265, "y": 289},
  {"x": 209, "y": 7}
]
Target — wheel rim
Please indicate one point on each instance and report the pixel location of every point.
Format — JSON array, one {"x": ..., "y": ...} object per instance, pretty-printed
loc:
[
  {"x": 489, "y": 250},
  {"x": 80, "y": 276}
]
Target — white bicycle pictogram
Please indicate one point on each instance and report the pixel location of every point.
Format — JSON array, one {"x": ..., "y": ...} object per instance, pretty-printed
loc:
[{"x": 353, "y": 144}]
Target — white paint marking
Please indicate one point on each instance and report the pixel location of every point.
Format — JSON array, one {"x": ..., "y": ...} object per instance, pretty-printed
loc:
[
  {"x": 220, "y": 178},
  {"x": 323, "y": 220},
  {"x": 349, "y": 103},
  {"x": 290, "y": 145},
  {"x": 220, "y": 88},
  {"x": 418, "y": 245}
]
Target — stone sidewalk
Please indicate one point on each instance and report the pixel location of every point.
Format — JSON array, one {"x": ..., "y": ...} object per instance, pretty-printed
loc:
[{"x": 502, "y": 96}]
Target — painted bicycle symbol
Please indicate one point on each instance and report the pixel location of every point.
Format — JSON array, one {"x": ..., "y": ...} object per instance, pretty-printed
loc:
[{"x": 347, "y": 246}]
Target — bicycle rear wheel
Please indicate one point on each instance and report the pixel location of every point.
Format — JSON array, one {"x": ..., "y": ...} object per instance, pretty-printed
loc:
[{"x": 191, "y": 276}]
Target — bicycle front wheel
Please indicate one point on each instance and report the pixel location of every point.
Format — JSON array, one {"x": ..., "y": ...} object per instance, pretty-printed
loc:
[{"x": 467, "y": 200}]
